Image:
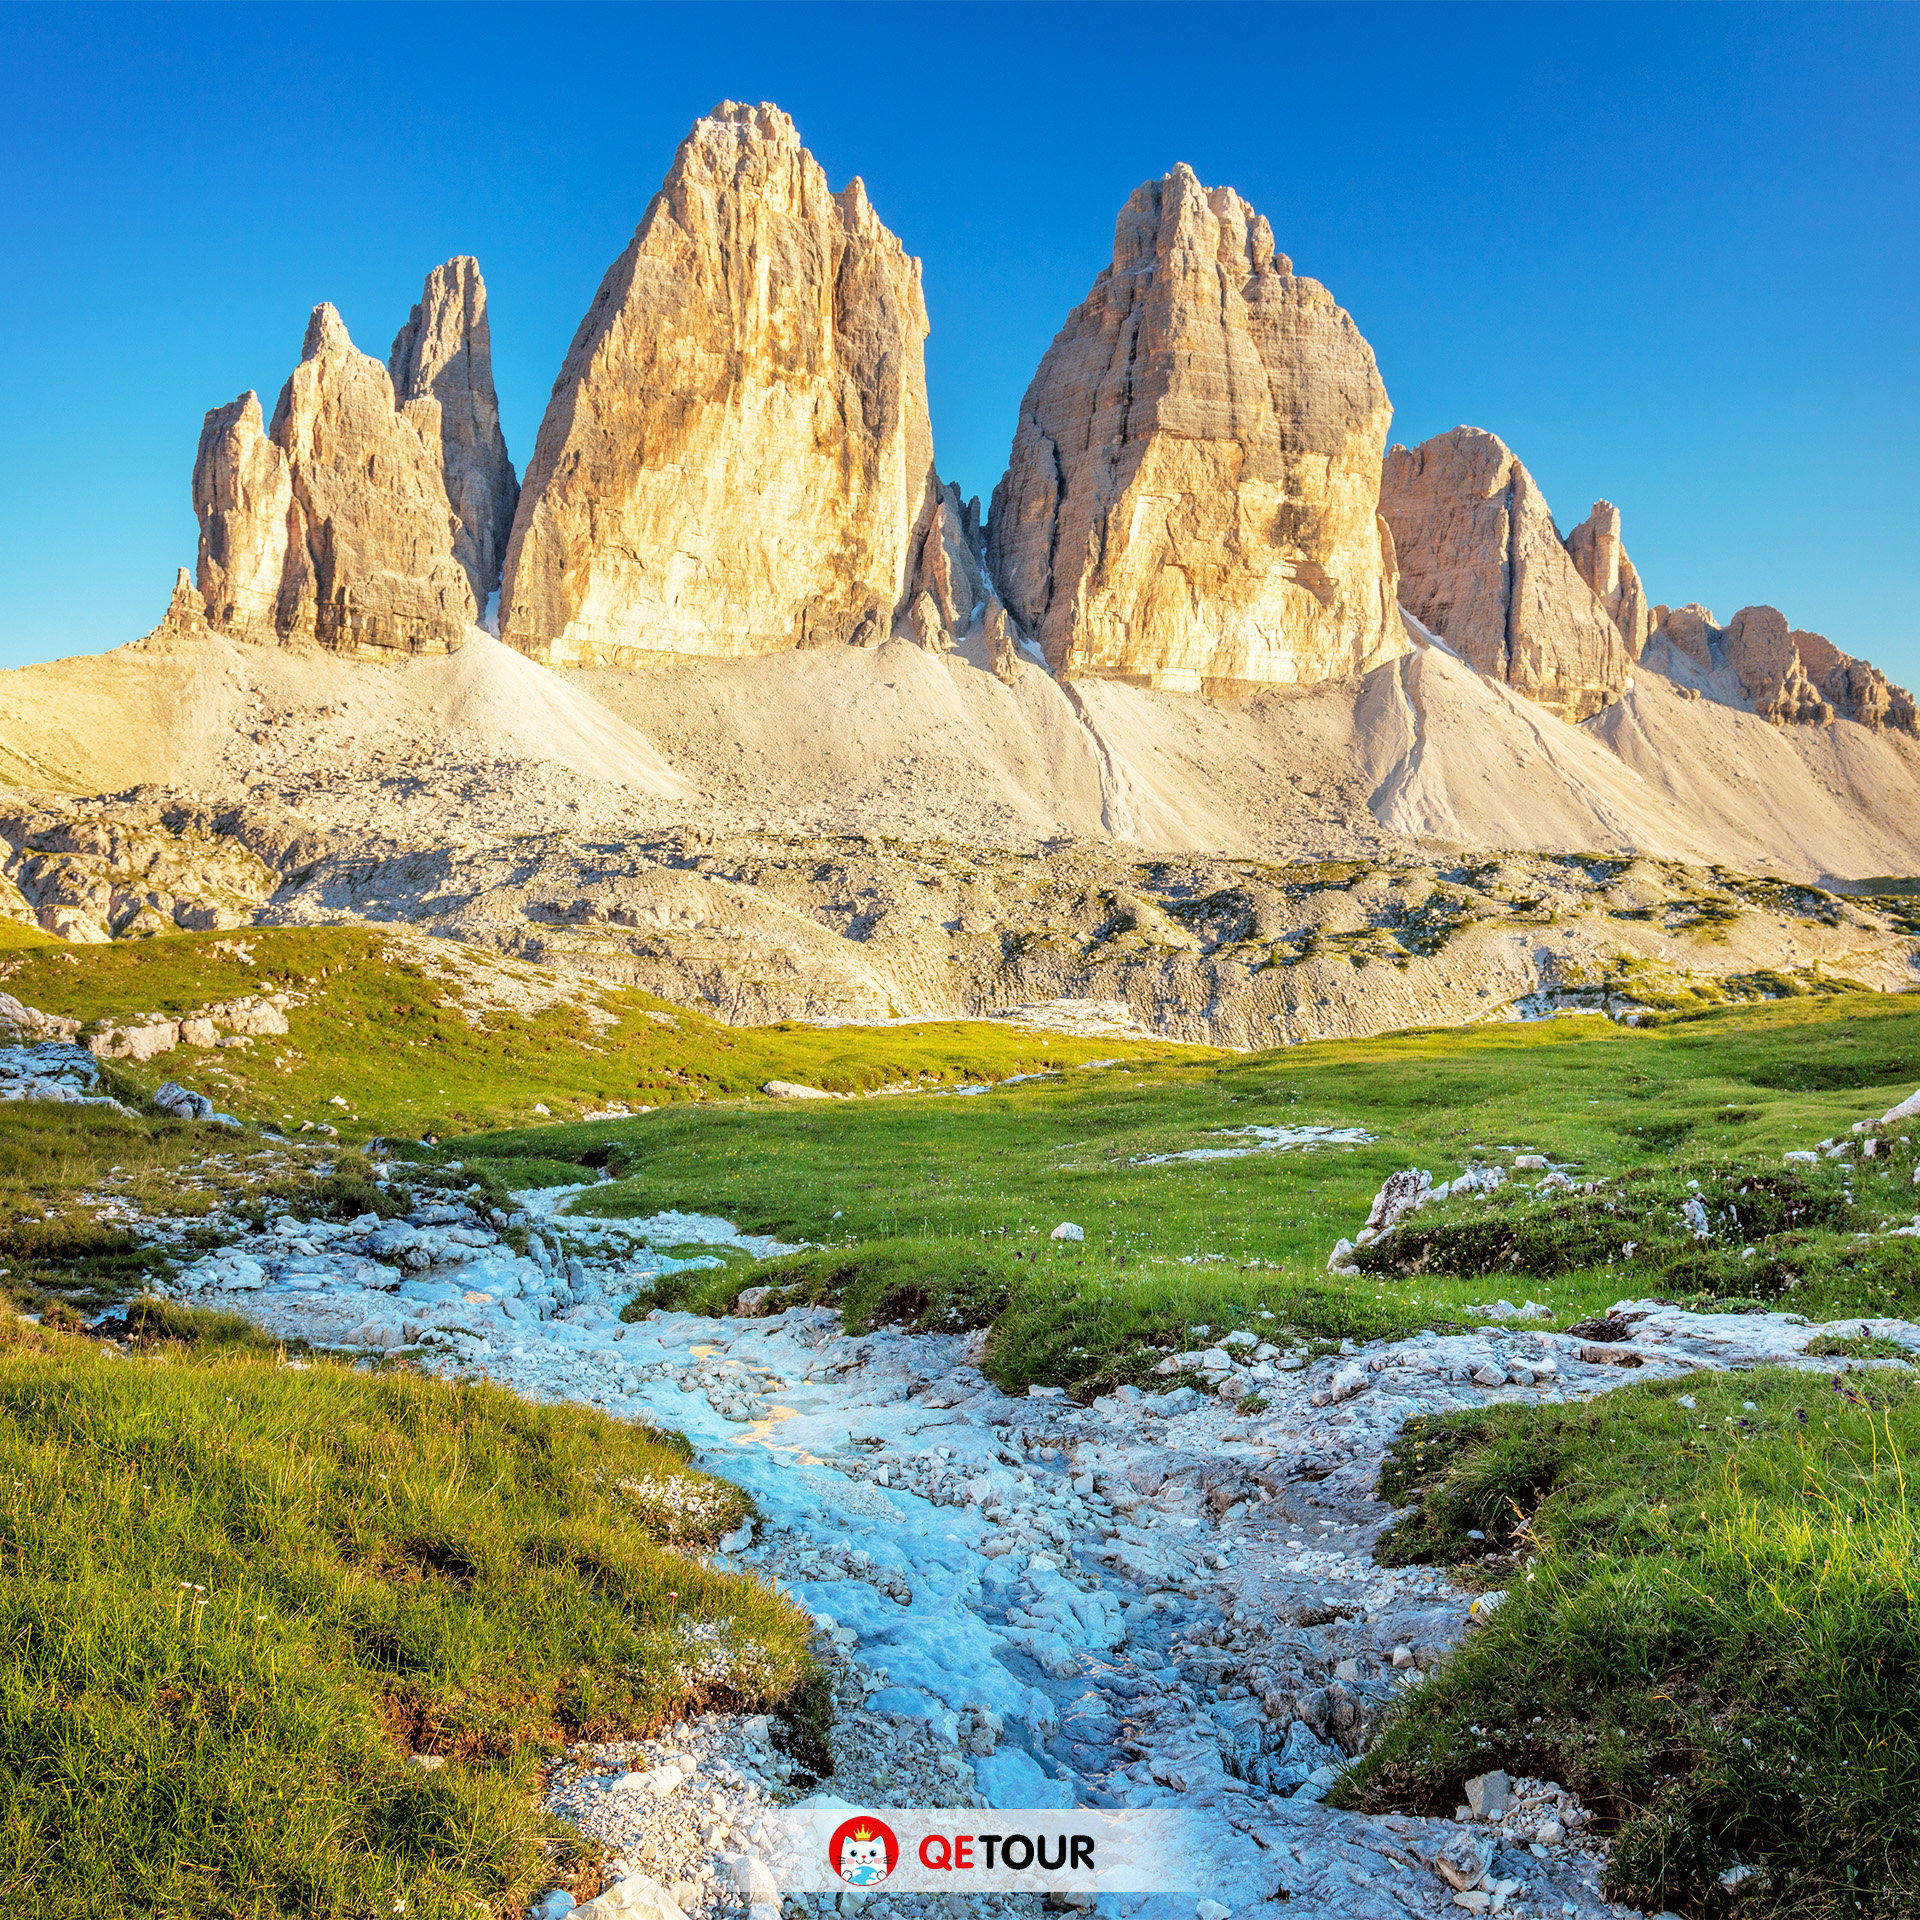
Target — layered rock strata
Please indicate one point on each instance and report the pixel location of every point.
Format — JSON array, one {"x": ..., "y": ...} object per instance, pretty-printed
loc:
[
  {"x": 445, "y": 353},
  {"x": 736, "y": 458},
  {"x": 1482, "y": 565},
  {"x": 1191, "y": 497},
  {"x": 1598, "y": 556},
  {"x": 359, "y": 519},
  {"x": 1792, "y": 677}
]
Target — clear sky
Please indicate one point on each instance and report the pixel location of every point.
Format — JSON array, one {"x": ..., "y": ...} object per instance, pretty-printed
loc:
[{"x": 1667, "y": 253}]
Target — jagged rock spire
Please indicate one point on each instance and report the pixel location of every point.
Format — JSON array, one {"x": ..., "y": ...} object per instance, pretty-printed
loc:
[
  {"x": 736, "y": 458},
  {"x": 1190, "y": 500},
  {"x": 339, "y": 522}
]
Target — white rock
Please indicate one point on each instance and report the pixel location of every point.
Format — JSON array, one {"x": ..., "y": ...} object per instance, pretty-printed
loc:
[
  {"x": 1348, "y": 1382},
  {"x": 1490, "y": 1795},
  {"x": 638, "y": 1897},
  {"x": 1066, "y": 1230}
]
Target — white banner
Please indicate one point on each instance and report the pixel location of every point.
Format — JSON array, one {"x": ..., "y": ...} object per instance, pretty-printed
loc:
[{"x": 977, "y": 1850}]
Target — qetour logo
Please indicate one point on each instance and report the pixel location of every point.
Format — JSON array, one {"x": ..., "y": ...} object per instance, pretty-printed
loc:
[
  {"x": 863, "y": 1850},
  {"x": 956, "y": 1850}
]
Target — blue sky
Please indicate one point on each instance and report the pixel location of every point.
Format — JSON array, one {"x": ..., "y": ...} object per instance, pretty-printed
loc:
[{"x": 1669, "y": 254}]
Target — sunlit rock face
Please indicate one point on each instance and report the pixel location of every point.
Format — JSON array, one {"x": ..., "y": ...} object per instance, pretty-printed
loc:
[
  {"x": 736, "y": 458},
  {"x": 362, "y": 518},
  {"x": 1482, "y": 565},
  {"x": 1191, "y": 497}
]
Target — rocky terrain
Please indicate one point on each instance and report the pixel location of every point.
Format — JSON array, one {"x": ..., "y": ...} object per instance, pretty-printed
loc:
[
  {"x": 758, "y": 927},
  {"x": 889, "y": 758},
  {"x": 1158, "y": 1599}
]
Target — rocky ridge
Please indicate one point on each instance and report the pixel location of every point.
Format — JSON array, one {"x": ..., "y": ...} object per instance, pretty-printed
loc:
[
  {"x": 1482, "y": 566},
  {"x": 737, "y": 457},
  {"x": 1190, "y": 501},
  {"x": 338, "y": 524},
  {"x": 737, "y": 461},
  {"x": 1789, "y": 677}
]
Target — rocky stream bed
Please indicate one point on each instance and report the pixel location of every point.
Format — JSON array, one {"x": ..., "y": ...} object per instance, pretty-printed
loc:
[{"x": 1155, "y": 1600}]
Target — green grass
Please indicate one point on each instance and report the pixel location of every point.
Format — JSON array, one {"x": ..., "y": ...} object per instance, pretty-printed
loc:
[
  {"x": 951, "y": 1201},
  {"x": 382, "y": 1027},
  {"x": 1713, "y": 1639},
  {"x": 237, "y": 1596}
]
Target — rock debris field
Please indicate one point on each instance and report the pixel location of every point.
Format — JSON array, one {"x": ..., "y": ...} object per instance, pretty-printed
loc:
[{"x": 1156, "y": 1600}]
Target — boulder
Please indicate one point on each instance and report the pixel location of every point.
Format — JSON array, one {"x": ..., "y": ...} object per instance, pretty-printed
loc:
[
  {"x": 1190, "y": 501},
  {"x": 1482, "y": 566},
  {"x": 736, "y": 458},
  {"x": 171, "y": 1097},
  {"x": 336, "y": 523},
  {"x": 135, "y": 1043},
  {"x": 22, "y": 1024}
]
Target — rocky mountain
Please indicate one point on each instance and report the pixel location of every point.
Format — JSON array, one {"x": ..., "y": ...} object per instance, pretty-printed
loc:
[
  {"x": 1190, "y": 499},
  {"x": 1225, "y": 718},
  {"x": 361, "y": 518},
  {"x": 1482, "y": 566},
  {"x": 737, "y": 457},
  {"x": 445, "y": 353},
  {"x": 1787, "y": 676}
]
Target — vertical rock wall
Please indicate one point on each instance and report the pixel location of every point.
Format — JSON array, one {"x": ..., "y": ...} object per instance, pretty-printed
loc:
[
  {"x": 1482, "y": 565},
  {"x": 736, "y": 458},
  {"x": 445, "y": 353},
  {"x": 1191, "y": 497}
]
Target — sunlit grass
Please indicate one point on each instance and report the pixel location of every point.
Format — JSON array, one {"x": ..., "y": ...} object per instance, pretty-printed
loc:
[
  {"x": 236, "y": 1597},
  {"x": 1713, "y": 1635}
]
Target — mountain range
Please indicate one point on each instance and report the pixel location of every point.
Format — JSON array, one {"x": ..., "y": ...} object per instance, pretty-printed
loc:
[{"x": 729, "y": 659}]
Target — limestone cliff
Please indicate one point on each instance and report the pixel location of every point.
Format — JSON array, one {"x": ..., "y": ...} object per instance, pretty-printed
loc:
[
  {"x": 736, "y": 458},
  {"x": 1191, "y": 497},
  {"x": 359, "y": 519},
  {"x": 1482, "y": 565},
  {"x": 1791, "y": 676},
  {"x": 445, "y": 353},
  {"x": 1601, "y": 561}
]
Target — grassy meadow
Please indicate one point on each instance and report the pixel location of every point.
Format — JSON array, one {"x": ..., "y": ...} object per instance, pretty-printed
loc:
[
  {"x": 411, "y": 1036},
  {"x": 243, "y": 1593},
  {"x": 240, "y": 1596},
  {"x": 1714, "y": 1639},
  {"x": 938, "y": 1211}
]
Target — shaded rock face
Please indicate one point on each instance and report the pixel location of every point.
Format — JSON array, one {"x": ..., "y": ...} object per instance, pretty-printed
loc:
[
  {"x": 947, "y": 582},
  {"x": 445, "y": 353},
  {"x": 1482, "y": 565},
  {"x": 1601, "y": 561},
  {"x": 1191, "y": 497},
  {"x": 335, "y": 523},
  {"x": 1794, "y": 677},
  {"x": 736, "y": 458},
  {"x": 1692, "y": 629}
]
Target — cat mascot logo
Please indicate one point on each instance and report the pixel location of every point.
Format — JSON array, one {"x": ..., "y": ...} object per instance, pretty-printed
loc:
[{"x": 863, "y": 1850}]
